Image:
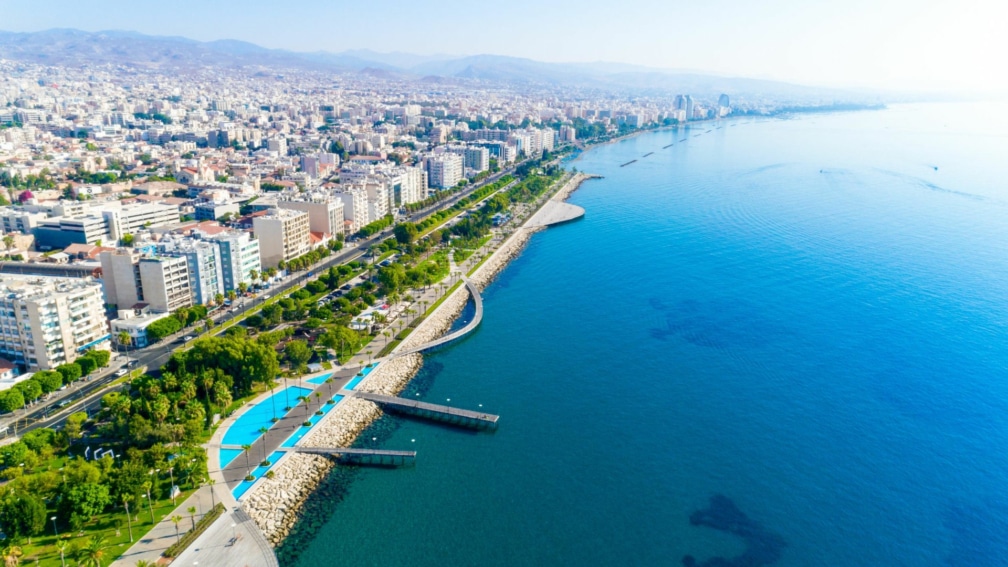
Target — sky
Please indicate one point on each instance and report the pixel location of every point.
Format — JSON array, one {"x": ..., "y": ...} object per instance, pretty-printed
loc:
[{"x": 918, "y": 45}]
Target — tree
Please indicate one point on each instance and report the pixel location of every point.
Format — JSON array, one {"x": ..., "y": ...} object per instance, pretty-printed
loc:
[
  {"x": 8, "y": 241},
  {"x": 22, "y": 515},
  {"x": 127, "y": 240},
  {"x": 12, "y": 554},
  {"x": 50, "y": 380},
  {"x": 298, "y": 354},
  {"x": 81, "y": 502},
  {"x": 92, "y": 554},
  {"x": 101, "y": 357},
  {"x": 70, "y": 371},
  {"x": 86, "y": 364},
  {"x": 406, "y": 233},
  {"x": 11, "y": 400},
  {"x": 248, "y": 464},
  {"x": 192, "y": 515},
  {"x": 74, "y": 425},
  {"x": 162, "y": 328}
]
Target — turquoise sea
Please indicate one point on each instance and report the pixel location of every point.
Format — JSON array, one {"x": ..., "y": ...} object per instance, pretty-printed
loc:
[{"x": 805, "y": 318}]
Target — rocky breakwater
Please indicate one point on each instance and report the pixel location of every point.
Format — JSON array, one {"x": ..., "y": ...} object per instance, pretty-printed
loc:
[{"x": 274, "y": 503}]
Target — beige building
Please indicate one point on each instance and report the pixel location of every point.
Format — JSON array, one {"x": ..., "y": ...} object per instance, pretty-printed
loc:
[
  {"x": 166, "y": 284},
  {"x": 325, "y": 212},
  {"x": 121, "y": 278},
  {"x": 282, "y": 234},
  {"x": 45, "y": 322}
]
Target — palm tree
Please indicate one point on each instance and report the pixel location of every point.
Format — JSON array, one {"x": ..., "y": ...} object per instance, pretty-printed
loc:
[
  {"x": 248, "y": 464},
  {"x": 145, "y": 563},
  {"x": 231, "y": 295},
  {"x": 129, "y": 521},
  {"x": 175, "y": 520},
  {"x": 91, "y": 555},
  {"x": 125, "y": 340},
  {"x": 264, "y": 431},
  {"x": 61, "y": 545},
  {"x": 211, "y": 482},
  {"x": 12, "y": 555},
  {"x": 219, "y": 299},
  {"x": 192, "y": 515}
]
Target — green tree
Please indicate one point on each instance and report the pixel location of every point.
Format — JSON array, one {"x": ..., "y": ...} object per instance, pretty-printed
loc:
[
  {"x": 11, "y": 400},
  {"x": 101, "y": 357},
  {"x": 22, "y": 515},
  {"x": 297, "y": 353},
  {"x": 406, "y": 233},
  {"x": 82, "y": 502},
  {"x": 93, "y": 553},
  {"x": 126, "y": 240},
  {"x": 50, "y": 380},
  {"x": 162, "y": 328},
  {"x": 86, "y": 364},
  {"x": 71, "y": 371},
  {"x": 74, "y": 425}
]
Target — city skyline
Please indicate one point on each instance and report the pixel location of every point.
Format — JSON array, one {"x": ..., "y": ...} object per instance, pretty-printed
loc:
[{"x": 896, "y": 44}]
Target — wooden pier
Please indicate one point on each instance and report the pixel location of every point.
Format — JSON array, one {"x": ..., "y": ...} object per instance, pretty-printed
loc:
[
  {"x": 435, "y": 412},
  {"x": 368, "y": 457}
]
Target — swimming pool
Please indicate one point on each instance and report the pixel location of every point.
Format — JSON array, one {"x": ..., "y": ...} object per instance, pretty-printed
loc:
[
  {"x": 300, "y": 432},
  {"x": 319, "y": 379},
  {"x": 245, "y": 429},
  {"x": 360, "y": 376},
  {"x": 258, "y": 472}
]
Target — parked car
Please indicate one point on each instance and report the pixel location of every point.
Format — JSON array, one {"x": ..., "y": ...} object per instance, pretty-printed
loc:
[{"x": 121, "y": 372}]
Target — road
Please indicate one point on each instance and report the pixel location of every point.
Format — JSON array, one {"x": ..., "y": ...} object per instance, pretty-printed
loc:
[{"x": 85, "y": 394}]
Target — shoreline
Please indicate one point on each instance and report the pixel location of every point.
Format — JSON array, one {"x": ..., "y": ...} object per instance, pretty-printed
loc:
[{"x": 275, "y": 504}]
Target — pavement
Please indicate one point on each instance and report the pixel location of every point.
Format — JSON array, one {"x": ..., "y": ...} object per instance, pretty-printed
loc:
[{"x": 162, "y": 535}]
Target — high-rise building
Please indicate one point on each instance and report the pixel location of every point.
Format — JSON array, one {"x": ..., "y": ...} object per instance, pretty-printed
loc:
[
  {"x": 444, "y": 170},
  {"x": 130, "y": 219},
  {"x": 205, "y": 274},
  {"x": 355, "y": 207},
  {"x": 45, "y": 321},
  {"x": 325, "y": 212},
  {"x": 166, "y": 284},
  {"x": 121, "y": 278},
  {"x": 239, "y": 257},
  {"x": 282, "y": 234}
]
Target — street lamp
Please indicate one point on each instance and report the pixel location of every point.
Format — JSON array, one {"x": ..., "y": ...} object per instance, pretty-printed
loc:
[{"x": 55, "y": 533}]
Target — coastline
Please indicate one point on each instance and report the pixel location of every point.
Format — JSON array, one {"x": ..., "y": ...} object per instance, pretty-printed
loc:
[{"x": 275, "y": 504}]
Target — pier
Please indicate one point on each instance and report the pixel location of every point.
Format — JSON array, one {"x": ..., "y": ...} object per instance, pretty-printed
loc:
[
  {"x": 435, "y": 412},
  {"x": 458, "y": 334},
  {"x": 367, "y": 457}
]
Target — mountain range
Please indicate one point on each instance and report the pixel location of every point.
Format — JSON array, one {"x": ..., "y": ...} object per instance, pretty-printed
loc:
[{"x": 75, "y": 47}]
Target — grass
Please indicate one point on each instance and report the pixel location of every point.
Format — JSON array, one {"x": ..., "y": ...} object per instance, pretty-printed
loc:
[{"x": 44, "y": 547}]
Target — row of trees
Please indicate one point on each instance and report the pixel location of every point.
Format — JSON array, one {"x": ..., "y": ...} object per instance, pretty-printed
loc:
[{"x": 47, "y": 381}]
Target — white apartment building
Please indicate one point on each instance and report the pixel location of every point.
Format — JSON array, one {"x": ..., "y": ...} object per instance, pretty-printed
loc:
[
  {"x": 121, "y": 278},
  {"x": 325, "y": 212},
  {"x": 15, "y": 220},
  {"x": 166, "y": 283},
  {"x": 45, "y": 322},
  {"x": 355, "y": 207},
  {"x": 130, "y": 219},
  {"x": 62, "y": 232},
  {"x": 282, "y": 234},
  {"x": 205, "y": 273},
  {"x": 379, "y": 200},
  {"x": 444, "y": 170},
  {"x": 239, "y": 256}
]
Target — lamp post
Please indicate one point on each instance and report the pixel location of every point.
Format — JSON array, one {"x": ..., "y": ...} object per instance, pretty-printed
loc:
[{"x": 55, "y": 533}]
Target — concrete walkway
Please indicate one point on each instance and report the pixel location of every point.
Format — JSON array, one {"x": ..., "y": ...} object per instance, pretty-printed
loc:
[{"x": 154, "y": 542}]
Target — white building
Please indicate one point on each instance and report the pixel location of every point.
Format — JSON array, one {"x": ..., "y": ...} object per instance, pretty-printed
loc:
[
  {"x": 282, "y": 234},
  {"x": 166, "y": 283},
  {"x": 239, "y": 256},
  {"x": 131, "y": 218},
  {"x": 444, "y": 170},
  {"x": 45, "y": 322},
  {"x": 325, "y": 212},
  {"x": 205, "y": 274},
  {"x": 355, "y": 207}
]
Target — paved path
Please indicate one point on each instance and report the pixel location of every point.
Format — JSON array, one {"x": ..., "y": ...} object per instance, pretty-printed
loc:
[
  {"x": 555, "y": 212},
  {"x": 233, "y": 540},
  {"x": 162, "y": 535}
]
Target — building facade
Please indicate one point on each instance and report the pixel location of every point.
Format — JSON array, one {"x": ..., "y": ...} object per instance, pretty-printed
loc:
[{"x": 282, "y": 234}]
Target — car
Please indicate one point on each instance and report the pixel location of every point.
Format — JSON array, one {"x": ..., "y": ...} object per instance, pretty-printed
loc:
[
  {"x": 346, "y": 287},
  {"x": 121, "y": 372},
  {"x": 188, "y": 338},
  {"x": 132, "y": 363}
]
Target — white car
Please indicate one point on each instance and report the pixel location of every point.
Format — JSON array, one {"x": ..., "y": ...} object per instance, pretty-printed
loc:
[{"x": 121, "y": 372}]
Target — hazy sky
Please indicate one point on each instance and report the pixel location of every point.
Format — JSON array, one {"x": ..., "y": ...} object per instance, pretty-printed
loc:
[{"x": 905, "y": 44}]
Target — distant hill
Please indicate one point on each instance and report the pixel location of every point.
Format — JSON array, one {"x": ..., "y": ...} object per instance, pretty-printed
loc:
[{"x": 75, "y": 47}]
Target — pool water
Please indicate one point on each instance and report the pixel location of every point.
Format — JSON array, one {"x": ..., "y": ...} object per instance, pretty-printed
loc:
[{"x": 258, "y": 472}]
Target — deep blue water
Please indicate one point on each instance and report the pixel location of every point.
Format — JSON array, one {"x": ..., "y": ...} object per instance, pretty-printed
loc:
[{"x": 803, "y": 315}]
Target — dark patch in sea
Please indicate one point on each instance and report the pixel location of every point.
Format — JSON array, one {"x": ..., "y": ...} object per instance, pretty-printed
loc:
[
  {"x": 979, "y": 534},
  {"x": 714, "y": 324},
  {"x": 763, "y": 547}
]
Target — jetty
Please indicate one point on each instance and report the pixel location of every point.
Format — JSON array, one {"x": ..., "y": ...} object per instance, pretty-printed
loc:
[
  {"x": 668, "y": 146},
  {"x": 628, "y": 163},
  {"x": 435, "y": 412},
  {"x": 367, "y": 457},
  {"x": 647, "y": 154}
]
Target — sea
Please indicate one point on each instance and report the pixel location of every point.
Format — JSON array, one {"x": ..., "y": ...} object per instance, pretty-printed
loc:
[{"x": 772, "y": 341}]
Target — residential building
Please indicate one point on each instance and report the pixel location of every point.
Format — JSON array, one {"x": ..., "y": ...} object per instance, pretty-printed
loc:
[
  {"x": 239, "y": 257},
  {"x": 165, "y": 283},
  {"x": 121, "y": 278},
  {"x": 355, "y": 207},
  {"x": 205, "y": 273},
  {"x": 131, "y": 218},
  {"x": 211, "y": 210},
  {"x": 135, "y": 323},
  {"x": 45, "y": 322},
  {"x": 444, "y": 170},
  {"x": 282, "y": 234},
  {"x": 61, "y": 232},
  {"x": 325, "y": 212},
  {"x": 15, "y": 220}
]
